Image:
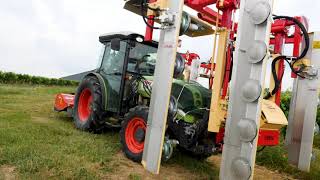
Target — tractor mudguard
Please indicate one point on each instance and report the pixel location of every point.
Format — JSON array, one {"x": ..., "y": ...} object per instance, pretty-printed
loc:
[{"x": 103, "y": 86}]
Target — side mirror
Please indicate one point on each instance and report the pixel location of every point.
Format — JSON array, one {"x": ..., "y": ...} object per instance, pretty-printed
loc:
[{"x": 115, "y": 44}]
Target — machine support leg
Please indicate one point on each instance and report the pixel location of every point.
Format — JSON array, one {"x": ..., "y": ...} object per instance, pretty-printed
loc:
[
  {"x": 303, "y": 110},
  {"x": 161, "y": 89},
  {"x": 246, "y": 88}
]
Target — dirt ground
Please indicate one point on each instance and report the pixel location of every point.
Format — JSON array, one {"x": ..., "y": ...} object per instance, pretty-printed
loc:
[
  {"x": 260, "y": 172},
  {"x": 130, "y": 170},
  {"x": 7, "y": 172}
]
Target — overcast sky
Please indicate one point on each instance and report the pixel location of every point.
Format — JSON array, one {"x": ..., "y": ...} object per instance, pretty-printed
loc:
[{"x": 55, "y": 38}]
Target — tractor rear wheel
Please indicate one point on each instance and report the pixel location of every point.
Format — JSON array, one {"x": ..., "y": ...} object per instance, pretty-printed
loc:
[
  {"x": 133, "y": 132},
  {"x": 88, "y": 106}
]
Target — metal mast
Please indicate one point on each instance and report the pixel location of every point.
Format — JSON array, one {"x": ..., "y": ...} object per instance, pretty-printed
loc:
[
  {"x": 161, "y": 88},
  {"x": 244, "y": 110}
]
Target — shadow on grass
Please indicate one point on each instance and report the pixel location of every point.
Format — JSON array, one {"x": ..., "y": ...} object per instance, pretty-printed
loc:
[
  {"x": 316, "y": 141},
  {"x": 200, "y": 166}
]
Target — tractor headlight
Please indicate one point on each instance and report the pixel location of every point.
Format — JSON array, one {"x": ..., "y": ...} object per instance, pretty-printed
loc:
[{"x": 139, "y": 39}]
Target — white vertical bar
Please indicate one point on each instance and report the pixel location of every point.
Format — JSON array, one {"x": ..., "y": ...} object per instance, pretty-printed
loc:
[
  {"x": 161, "y": 90},
  {"x": 303, "y": 110},
  {"x": 248, "y": 74}
]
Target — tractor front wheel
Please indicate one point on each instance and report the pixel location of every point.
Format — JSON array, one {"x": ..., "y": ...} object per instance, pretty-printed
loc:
[
  {"x": 88, "y": 106},
  {"x": 133, "y": 132}
]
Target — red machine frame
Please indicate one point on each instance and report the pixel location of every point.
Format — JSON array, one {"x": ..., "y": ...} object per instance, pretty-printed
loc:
[
  {"x": 227, "y": 7},
  {"x": 279, "y": 30}
]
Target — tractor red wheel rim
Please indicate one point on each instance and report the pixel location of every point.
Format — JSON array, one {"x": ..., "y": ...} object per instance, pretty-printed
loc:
[
  {"x": 84, "y": 106},
  {"x": 133, "y": 126}
]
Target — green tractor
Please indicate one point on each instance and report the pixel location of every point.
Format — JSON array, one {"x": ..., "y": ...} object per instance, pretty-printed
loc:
[{"x": 117, "y": 95}]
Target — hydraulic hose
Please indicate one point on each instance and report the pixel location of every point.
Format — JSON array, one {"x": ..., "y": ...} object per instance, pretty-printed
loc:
[
  {"x": 304, "y": 32},
  {"x": 287, "y": 58},
  {"x": 143, "y": 5}
]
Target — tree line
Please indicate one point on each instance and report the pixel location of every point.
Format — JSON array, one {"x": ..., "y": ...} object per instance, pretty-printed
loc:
[{"x": 13, "y": 78}]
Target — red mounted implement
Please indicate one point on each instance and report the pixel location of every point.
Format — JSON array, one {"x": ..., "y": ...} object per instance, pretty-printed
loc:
[{"x": 64, "y": 102}]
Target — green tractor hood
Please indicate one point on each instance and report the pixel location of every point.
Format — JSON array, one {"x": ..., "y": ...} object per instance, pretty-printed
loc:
[{"x": 193, "y": 99}]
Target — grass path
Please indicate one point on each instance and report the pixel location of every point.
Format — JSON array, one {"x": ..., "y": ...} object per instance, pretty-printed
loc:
[{"x": 38, "y": 143}]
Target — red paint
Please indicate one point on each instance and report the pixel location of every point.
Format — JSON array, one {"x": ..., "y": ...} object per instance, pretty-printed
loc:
[
  {"x": 268, "y": 137},
  {"x": 63, "y": 101},
  {"x": 132, "y": 143},
  {"x": 296, "y": 43},
  {"x": 288, "y": 40},
  {"x": 227, "y": 74},
  {"x": 205, "y": 13},
  {"x": 210, "y": 16},
  {"x": 265, "y": 137},
  {"x": 190, "y": 57},
  {"x": 280, "y": 26},
  {"x": 280, "y": 31},
  {"x": 208, "y": 66},
  {"x": 227, "y": 18},
  {"x": 278, "y": 48},
  {"x": 84, "y": 106},
  {"x": 149, "y": 31},
  {"x": 199, "y": 3},
  {"x": 220, "y": 136}
]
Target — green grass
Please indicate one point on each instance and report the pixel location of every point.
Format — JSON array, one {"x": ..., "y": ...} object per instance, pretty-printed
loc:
[
  {"x": 40, "y": 143},
  {"x": 134, "y": 177},
  {"x": 276, "y": 158},
  {"x": 202, "y": 167}
]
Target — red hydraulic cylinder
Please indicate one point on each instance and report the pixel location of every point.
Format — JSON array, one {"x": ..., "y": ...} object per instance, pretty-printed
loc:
[
  {"x": 199, "y": 3},
  {"x": 296, "y": 44},
  {"x": 209, "y": 15},
  {"x": 149, "y": 31},
  {"x": 279, "y": 41}
]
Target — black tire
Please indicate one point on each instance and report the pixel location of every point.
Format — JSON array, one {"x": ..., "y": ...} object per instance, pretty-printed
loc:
[
  {"x": 95, "y": 121},
  {"x": 140, "y": 112}
]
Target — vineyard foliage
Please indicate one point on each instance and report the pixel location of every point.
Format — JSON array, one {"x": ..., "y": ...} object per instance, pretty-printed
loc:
[
  {"x": 285, "y": 104},
  {"x": 13, "y": 78}
]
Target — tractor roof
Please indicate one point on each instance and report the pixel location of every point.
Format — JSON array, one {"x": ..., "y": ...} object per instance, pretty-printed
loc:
[{"x": 123, "y": 36}]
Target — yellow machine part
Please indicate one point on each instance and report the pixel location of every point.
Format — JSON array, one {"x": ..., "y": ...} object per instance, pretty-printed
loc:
[
  {"x": 217, "y": 113},
  {"x": 272, "y": 117}
]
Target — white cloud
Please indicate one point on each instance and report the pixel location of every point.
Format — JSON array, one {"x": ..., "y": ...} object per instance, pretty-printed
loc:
[{"x": 57, "y": 38}]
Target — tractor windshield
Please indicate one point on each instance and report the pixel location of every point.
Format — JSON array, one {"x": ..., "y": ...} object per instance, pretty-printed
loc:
[{"x": 142, "y": 59}]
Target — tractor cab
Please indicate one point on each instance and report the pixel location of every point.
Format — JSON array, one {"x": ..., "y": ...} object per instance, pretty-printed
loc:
[{"x": 125, "y": 55}]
